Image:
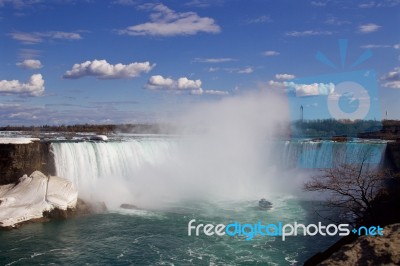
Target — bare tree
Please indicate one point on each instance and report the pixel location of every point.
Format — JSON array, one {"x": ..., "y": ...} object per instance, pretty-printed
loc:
[{"x": 351, "y": 188}]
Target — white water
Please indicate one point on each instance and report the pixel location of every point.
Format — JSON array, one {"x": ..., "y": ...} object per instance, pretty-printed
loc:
[{"x": 153, "y": 171}]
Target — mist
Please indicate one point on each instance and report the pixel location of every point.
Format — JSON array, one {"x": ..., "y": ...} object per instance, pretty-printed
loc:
[{"x": 225, "y": 151}]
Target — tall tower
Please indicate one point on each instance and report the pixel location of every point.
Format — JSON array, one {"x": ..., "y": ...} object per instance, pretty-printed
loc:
[{"x": 301, "y": 113}]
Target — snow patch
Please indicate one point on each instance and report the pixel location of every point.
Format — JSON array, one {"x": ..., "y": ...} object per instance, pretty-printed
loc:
[
  {"x": 32, "y": 196},
  {"x": 17, "y": 140}
]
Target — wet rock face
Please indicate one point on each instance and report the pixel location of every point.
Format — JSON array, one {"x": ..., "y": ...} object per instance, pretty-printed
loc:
[
  {"x": 393, "y": 154},
  {"x": 19, "y": 159}
]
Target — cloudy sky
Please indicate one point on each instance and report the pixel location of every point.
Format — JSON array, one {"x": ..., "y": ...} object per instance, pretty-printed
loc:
[{"x": 68, "y": 62}]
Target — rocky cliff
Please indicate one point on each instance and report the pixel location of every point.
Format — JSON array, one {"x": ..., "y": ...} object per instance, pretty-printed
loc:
[
  {"x": 370, "y": 250},
  {"x": 19, "y": 159}
]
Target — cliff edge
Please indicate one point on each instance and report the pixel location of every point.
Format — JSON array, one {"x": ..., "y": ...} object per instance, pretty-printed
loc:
[
  {"x": 19, "y": 156},
  {"x": 370, "y": 250}
]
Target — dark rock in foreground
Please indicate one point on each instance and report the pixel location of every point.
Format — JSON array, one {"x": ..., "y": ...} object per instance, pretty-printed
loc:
[{"x": 370, "y": 250}]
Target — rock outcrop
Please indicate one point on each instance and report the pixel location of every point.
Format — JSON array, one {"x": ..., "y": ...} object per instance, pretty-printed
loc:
[
  {"x": 370, "y": 250},
  {"x": 19, "y": 158},
  {"x": 36, "y": 197}
]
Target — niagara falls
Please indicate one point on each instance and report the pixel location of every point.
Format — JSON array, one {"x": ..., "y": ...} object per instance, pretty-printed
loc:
[{"x": 199, "y": 132}]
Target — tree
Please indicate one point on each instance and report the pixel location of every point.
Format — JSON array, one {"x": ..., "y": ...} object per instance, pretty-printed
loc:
[{"x": 351, "y": 188}]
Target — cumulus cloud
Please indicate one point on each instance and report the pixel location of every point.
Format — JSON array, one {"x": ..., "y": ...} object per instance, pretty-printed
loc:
[
  {"x": 392, "y": 79},
  {"x": 214, "y": 60},
  {"x": 101, "y": 69},
  {"x": 302, "y": 90},
  {"x": 38, "y": 37},
  {"x": 159, "y": 82},
  {"x": 30, "y": 64},
  {"x": 270, "y": 53},
  {"x": 284, "y": 76},
  {"x": 307, "y": 33},
  {"x": 167, "y": 22},
  {"x": 368, "y": 28},
  {"x": 313, "y": 89},
  {"x": 33, "y": 87}
]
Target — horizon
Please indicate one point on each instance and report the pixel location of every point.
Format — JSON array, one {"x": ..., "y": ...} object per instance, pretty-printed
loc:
[{"x": 150, "y": 61}]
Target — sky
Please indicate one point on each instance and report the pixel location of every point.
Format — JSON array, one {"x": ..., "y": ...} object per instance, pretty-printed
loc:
[{"x": 134, "y": 61}]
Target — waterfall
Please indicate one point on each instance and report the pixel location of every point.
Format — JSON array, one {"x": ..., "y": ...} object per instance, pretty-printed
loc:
[
  {"x": 151, "y": 169},
  {"x": 327, "y": 154},
  {"x": 85, "y": 162}
]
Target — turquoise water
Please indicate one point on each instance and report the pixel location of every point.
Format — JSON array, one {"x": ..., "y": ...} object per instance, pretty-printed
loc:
[
  {"x": 129, "y": 237},
  {"x": 167, "y": 172}
]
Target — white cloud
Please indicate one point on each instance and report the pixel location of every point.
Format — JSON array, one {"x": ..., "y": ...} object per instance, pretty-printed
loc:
[
  {"x": 38, "y": 37},
  {"x": 30, "y": 64},
  {"x": 200, "y": 91},
  {"x": 396, "y": 46},
  {"x": 101, "y": 69},
  {"x": 368, "y": 28},
  {"x": 302, "y": 90},
  {"x": 270, "y": 53},
  {"x": 313, "y": 89},
  {"x": 167, "y": 22},
  {"x": 373, "y": 46},
  {"x": 158, "y": 82},
  {"x": 392, "y": 79},
  {"x": 307, "y": 33},
  {"x": 278, "y": 85},
  {"x": 284, "y": 76},
  {"x": 246, "y": 70},
  {"x": 214, "y": 60},
  {"x": 33, "y": 87}
]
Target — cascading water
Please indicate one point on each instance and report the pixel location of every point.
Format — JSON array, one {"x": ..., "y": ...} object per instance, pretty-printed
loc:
[
  {"x": 105, "y": 171},
  {"x": 327, "y": 154},
  {"x": 151, "y": 169}
]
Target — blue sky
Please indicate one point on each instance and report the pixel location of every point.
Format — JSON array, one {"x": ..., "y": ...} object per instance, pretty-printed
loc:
[{"x": 126, "y": 61}]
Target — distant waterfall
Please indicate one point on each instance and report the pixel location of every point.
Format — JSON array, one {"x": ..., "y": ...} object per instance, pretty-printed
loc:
[{"x": 326, "y": 154}]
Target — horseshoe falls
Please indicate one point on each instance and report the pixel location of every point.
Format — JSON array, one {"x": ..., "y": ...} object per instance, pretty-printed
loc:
[{"x": 172, "y": 181}]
